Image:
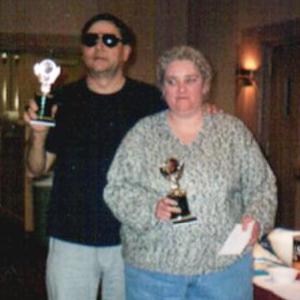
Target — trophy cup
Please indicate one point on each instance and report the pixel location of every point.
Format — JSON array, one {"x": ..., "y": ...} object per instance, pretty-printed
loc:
[
  {"x": 47, "y": 72},
  {"x": 172, "y": 171}
]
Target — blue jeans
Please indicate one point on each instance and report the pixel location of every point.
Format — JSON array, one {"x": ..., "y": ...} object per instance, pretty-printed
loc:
[
  {"x": 234, "y": 283},
  {"x": 74, "y": 271}
]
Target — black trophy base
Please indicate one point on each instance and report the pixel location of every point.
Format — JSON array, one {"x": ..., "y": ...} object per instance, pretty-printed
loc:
[
  {"x": 44, "y": 113},
  {"x": 44, "y": 122},
  {"x": 184, "y": 220},
  {"x": 185, "y": 215}
]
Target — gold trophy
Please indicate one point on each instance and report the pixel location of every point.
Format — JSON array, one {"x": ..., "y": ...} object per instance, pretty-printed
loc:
[
  {"x": 47, "y": 72},
  {"x": 172, "y": 170}
]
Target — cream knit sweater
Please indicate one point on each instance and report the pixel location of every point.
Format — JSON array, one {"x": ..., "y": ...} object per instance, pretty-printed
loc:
[{"x": 225, "y": 176}]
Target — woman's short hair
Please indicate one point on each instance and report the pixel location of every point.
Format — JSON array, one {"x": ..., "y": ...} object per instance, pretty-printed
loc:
[
  {"x": 126, "y": 33},
  {"x": 183, "y": 53}
]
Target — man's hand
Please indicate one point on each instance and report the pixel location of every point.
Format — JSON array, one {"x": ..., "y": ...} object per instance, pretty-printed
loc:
[
  {"x": 211, "y": 108},
  {"x": 31, "y": 114},
  {"x": 38, "y": 160}
]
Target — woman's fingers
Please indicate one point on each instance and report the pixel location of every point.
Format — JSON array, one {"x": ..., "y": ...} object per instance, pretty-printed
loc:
[
  {"x": 246, "y": 220},
  {"x": 165, "y": 208}
]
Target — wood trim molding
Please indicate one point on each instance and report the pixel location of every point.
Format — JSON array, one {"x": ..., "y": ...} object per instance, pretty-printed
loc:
[
  {"x": 275, "y": 34},
  {"x": 39, "y": 43}
]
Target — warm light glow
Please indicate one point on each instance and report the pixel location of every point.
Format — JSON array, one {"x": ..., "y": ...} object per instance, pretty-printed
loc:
[
  {"x": 4, "y": 94},
  {"x": 16, "y": 57},
  {"x": 246, "y": 105},
  {"x": 17, "y": 100},
  {"x": 247, "y": 97},
  {"x": 249, "y": 93},
  {"x": 4, "y": 56},
  {"x": 250, "y": 55},
  {"x": 250, "y": 63}
]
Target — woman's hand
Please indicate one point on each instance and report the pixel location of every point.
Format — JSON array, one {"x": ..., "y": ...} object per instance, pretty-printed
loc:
[
  {"x": 246, "y": 220},
  {"x": 165, "y": 207}
]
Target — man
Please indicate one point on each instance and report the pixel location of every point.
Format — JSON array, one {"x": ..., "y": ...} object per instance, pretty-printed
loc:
[{"x": 93, "y": 115}]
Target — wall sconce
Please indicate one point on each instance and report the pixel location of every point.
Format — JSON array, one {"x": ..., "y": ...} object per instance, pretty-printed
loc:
[
  {"x": 16, "y": 58},
  {"x": 4, "y": 57},
  {"x": 246, "y": 77}
]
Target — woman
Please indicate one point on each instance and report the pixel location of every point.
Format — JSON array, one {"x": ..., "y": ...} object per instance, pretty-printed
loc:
[{"x": 226, "y": 178}]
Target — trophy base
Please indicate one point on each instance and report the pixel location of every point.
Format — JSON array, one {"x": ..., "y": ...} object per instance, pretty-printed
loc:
[
  {"x": 184, "y": 220},
  {"x": 43, "y": 122},
  {"x": 44, "y": 112}
]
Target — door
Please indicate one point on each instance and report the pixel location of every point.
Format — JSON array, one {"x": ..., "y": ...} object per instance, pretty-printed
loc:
[{"x": 284, "y": 133}]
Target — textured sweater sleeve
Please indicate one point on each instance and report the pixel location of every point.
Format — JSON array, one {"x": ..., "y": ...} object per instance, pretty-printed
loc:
[
  {"x": 127, "y": 193},
  {"x": 258, "y": 182}
]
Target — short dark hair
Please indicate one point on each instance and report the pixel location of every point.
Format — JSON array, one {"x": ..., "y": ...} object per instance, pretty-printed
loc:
[{"x": 127, "y": 35}]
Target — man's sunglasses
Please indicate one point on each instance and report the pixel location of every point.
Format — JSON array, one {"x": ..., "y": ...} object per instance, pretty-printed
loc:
[{"x": 91, "y": 39}]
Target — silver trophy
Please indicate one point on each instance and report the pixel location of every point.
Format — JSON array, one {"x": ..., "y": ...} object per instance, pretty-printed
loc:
[
  {"x": 172, "y": 170},
  {"x": 47, "y": 72}
]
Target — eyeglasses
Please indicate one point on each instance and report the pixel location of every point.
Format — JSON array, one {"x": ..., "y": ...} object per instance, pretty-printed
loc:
[{"x": 91, "y": 39}]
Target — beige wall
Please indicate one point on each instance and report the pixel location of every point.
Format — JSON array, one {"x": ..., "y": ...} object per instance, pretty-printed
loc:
[
  {"x": 252, "y": 13},
  {"x": 218, "y": 27},
  {"x": 140, "y": 15},
  {"x": 46, "y": 17},
  {"x": 215, "y": 26},
  {"x": 213, "y": 31},
  {"x": 66, "y": 18}
]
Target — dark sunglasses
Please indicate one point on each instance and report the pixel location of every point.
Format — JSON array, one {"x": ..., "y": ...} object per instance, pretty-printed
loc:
[{"x": 91, "y": 39}]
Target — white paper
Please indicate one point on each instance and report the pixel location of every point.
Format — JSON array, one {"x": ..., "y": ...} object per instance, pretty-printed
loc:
[{"x": 237, "y": 240}]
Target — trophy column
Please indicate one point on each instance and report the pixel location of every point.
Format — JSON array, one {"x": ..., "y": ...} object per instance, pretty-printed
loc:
[{"x": 47, "y": 72}]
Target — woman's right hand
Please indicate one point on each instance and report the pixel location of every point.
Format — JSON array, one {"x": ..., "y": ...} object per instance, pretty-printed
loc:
[{"x": 165, "y": 207}]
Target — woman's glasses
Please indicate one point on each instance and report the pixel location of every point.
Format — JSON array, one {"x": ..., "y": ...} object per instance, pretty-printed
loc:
[{"x": 91, "y": 39}]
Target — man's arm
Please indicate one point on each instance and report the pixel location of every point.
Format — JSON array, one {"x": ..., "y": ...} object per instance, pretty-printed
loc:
[{"x": 38, "y": 160}]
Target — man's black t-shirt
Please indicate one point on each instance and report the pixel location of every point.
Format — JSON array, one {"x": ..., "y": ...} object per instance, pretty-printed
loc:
[{"x": 89, "y": 128}]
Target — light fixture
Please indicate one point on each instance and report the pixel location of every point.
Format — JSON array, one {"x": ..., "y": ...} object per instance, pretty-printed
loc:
[
  {"x": 4, "y": 57},
  {"x": 245, "y": 77},
  {"x": 16, "y": 58}
]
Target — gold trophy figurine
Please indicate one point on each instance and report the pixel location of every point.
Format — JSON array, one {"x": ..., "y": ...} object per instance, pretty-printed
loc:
[
  {"x": 172, "y": 170},
  {"x": 47, "y": 72}
]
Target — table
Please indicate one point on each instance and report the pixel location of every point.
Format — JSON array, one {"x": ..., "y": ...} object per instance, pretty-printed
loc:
[
  {"x": 262, "y": 294},
  {"x": 265, "y": 289}
]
